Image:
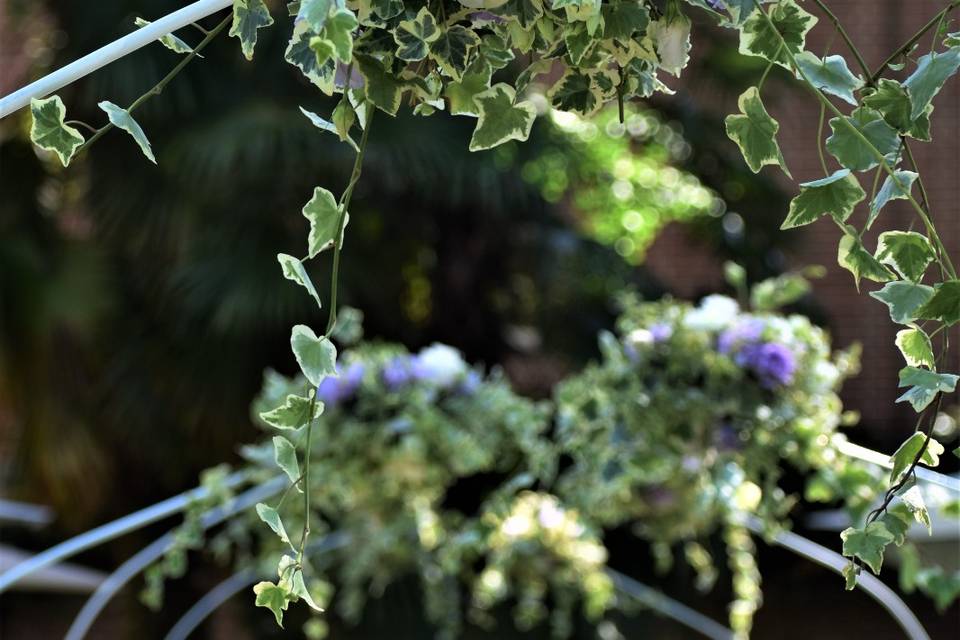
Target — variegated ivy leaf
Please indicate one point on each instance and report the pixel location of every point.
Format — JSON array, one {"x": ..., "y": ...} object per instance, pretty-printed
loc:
[
  {"x": 913, "y": 500},
  {"x": 525, "y": 12},
  {"x": 578, "y": 41},
  {"x": 336, "y": 39},
  {"x": 344, "y": 118},
  {"x": 897, "y": 519},
  {"x": 924, "y": 387},
  {"x": 285, "y": 455},
  {"x": 122, "y": 119},
  {"x": 294, "y": 270},
  {"x": 273, "y": 597},
  {"x": 836, "y": 195},
  {"x": 271, "y": 518},
  {"x": 895, "y": 187},
  {"x": 387, "y": 9},
  {"x": 830, "y": 74},
  {"x": 851, "y": 151},
  {"x": 944, "y": 305},
  {"x": 300, "y": 55},
  {"x": 916, "y": 347},
  {"x": 932, "y": 72},
  {"x": 739, "y": 10},
  {"x": 293, "y": 413},
  {"x": 755, "y": 132},
  {"x": 903, "y": 299},
  {"x": 673, "y": 42},
  {"x": 460, "y": 95},
  {"x": 316, "y": 356},
  {"x": 892, "y": 102},
  {"x": 381, "y": 86},
  {"x": 852, "y": 256},
  {"x": 323, "y": 212},
  {"x": 495, "y": 51},
  {"x": 326, "y": 125},
  {"x": 908, "y": 252},
  {"x": 867, "y": 544},
  {"x": 248, "y": 17},
  {"x": 577, "y": 92},
  {"x": 952, "y": 40},
  {"x": 904, "y": 456},
  {"x": 501, "y": 117},
  {"x": 623, "y": 18},
  {"x": 759, "y": 38},
  {"x": 297, "y": 585},
  {"x": 315, "y": 13},
  {"x": 48, "y": 130},
  {"x": 452, "y": 49},
  {"x": 413, "y": 37},
  {"x": 169, "y": 40}
]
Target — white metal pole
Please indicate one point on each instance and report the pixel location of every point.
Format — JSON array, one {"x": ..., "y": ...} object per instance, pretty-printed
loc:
[
  {"x": 875, "y": 457},
  {"x": 113, "y": 51}
]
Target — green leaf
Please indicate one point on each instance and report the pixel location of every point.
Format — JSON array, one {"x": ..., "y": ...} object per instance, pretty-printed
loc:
[
  {"x": 759, "y": 38},
  {"x": 48, "y": 130},
  {"x": 913, "y": 500},
  {"x": 382, "y": 88},
  {"x": 294, "y": 270},
  {"x": 299, "y": 589},
  {"x": 452, "y": 49},
  {"x": 892, "y": 102},
  {"x": 315, "y": 13},
  {"x": 867, "y": 544},
  {"x": 852, "y": 152},
  {"x": 169, "y": 40},
  {"x": 293, "y": 413},
  {"x": 300, "y": 55},
  {"x": 897, "y": 519},
  {"x": 387, "y": 9},
  {"x": 495, "y": 50},
  {"x": 932, "y": 72},
  {"x": 892, "y": 189},
  {"x": 326, "y": 125},
  {"x": 316, "y": 356},
  {"x": 272, "y": 597},
  {"x": 830, "y": 74},
  {"x": 336, "y": 37},
  {"x": 944, "y": 305},
  {"x": 778, "y": 292},
  {"x": 939, "y": 585},
  {"x": 903, "y": 299},
  {"x": 501, "y": 119},
  {"x": 576, "y": 92},
  {"x": 908, "y": 252},
  {"x": 904, "y": 456},
  {"x": 248, "y": 16},
  {"x": 122, "y": 119},
  {"x": 460, "y": 95},
  {"x": 525, "y": 12},
  {"x": 286, "y": 456},
  {"x": 413, "y": 37},
  {"x": 323, "y": 212},
  {"x": 270, "y": 516},
  {"x": 622, "y": 18},
  {"x": 850, "y": 572},
  {"x": 924, "y": 386},
  {"x": 852, "y": 256},
  {"x": 578, "y": 41},
  {"x": 916, "y": 348},
  {"x": 755, "y": 132},
  {"x": 836, "y": 195}
]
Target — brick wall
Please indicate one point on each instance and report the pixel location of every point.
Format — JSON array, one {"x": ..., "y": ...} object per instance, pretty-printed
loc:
[{"x": 877, "y": 27}]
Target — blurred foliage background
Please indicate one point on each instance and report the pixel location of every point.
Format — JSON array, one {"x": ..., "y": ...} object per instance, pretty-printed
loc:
[{"x": 140, "y": 304}]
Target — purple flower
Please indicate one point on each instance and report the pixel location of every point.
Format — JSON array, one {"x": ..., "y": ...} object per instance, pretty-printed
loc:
[
  {"x": 773, "y": 363},
  {"x": 486, "y": 16},
  {"x": 725, "y": 438},
  {"x": 340, "y": 77},
  {"x": 470, "y": 383},
  {"x": 661, "y": 331},
  {"x": 741, "y": 334},
  {"x": 397, "y": 373},
  {"x": 333, "y": 391}
]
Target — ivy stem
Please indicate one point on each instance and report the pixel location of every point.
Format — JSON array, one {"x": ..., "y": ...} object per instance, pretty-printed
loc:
[
  {"x": 905, "y": 47},
  {"x": 846, "y": 38},
  {"x": 157, "y": 89},
  {"x": 823, "y": 159},
  {"x": 944, "y": 258},
  {"x": 81, "y": 123},
  {"x": 341, "y": 221},
  {"x": 306, "y": 480}
]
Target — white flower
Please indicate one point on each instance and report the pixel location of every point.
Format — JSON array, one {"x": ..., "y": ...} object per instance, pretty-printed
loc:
[
  {"x": 714, "y": 313},
  {"x": 440, "y": 364}
]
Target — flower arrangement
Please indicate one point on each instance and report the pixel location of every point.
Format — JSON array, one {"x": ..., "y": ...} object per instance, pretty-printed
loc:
[
  {"x": 398, "y": 434},
  {"x": 686, "y": 422}
]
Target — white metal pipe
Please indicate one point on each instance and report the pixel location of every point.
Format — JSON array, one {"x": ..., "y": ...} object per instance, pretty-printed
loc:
[
  {"x": 107, "y": 54},
  {"x": 877, "y": 458}
]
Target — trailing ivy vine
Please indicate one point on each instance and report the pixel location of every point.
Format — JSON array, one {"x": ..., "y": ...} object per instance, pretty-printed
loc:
[{"x": 479, "y": 58}]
